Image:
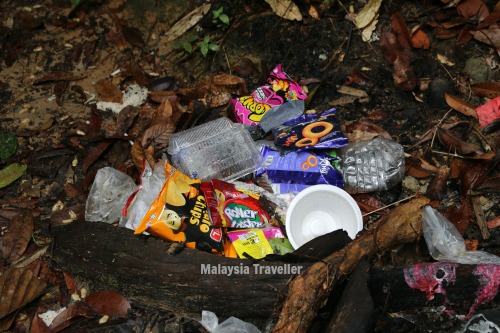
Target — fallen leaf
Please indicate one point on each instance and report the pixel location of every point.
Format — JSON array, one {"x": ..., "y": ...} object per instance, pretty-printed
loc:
[
  {"x": 134, "y": 70},
  {"x": 486, "y": 89},
  {"x": 493, "y": 223},
  {"x": 398, "y": 25},
  {"x": 133, "y": 36},
  {"x": 473, "y": 9},
  {"x": 18, "y": 287},
  {"x": 108, "y": 92},
  {"x": 158, "y": 136},
  {"x": 17, "y": 236},
  {"x": 364, "y": 131},
  {"x": 187, "y": 22},
  {"x": 286, "y": 9},
  {"x": 231, "y": 83},
  {"x": 109, "y": 303},
  {"x": 8, "y": 145},
  {"x": 11, "y": 173},
  {"x": 489, "y": 185},
  {"x": 444, "y": 60},
  {"x": 313, "y": 12},
  {"x": 460, "y": 105},
  {"x": 389, "y": 46},
  {"x": 420, "y": 40},
  {"x": 38, "y": 325},
  {"x": 367, "y": 14},
  {"x": 488, "y": 112},
  {"x": 438, "y": 186},
  {"x": 71, "y": 315},
  {"x": 138, "y": 154},
  {"x": 125, "y": 119},
  {"x": 450, "y": 141},
  {"x": 58, "y": 76},
  {"x": 404, "y": 78},
  {"x": 492, "y": 18},
  {"x": 490, "y": 35},
  {"x": 460, "y": 216},
  {"x": 366, "y": 34},
  {"x": 94, "y": 153},
  {"x": 353, "y": 91}
]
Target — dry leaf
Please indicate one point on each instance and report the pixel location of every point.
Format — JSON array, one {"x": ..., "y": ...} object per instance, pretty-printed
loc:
[
  {"x": 286, "y": 9},
  {"x": 490, "y": 36},
  {"x": 438, "y": 186},
  {"x": 444, "y": 60},
  {"x": 367, "y": 14},
  {"x": 449, "y": 140},
  {"x": 18, "y": 287},
  {"x": 108, "y": 92},
  {"x": 486, "y": 89},
  {"x": 473, "y": 9},
  {"x": 109, "y": 303},
  {"x": 313, "y": 12},
  {"x": 362, "y": 131},
  {"x": 493, "y": 223},
  {"x": 420, "y": 40},
  {"x": 389, "y": 46},
  {"x": 138, "y": 154},
  {"x": 125, "y": 119},
  {"x": 460, "y": 105},
  {"x": 398, "y": 25},
  {"x": 38, "y": 325},
  {"x": 70, "y": 316},
  {"x": 367, "y": 32},
  {"x": 158, "y": 136},
  {"x": 492, "y": 18},
  {"x": 186, "y": 23},
  {"x": 404, "y": 78},
  {"x": 16, "y": 237}
]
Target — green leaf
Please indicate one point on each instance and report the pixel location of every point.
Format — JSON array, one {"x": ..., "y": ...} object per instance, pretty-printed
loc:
[
  {"x": 8, "y": 145},
  {"x": 76, "y": 3},
  {"x": 188, "y": 47},
  {"x": 224, "y": 19},
  {"x": 11, "y": 173},
  {"x": 281, "y": 246},
  {"x": 213, "y": 47},
  {"x": 217, "y": 12},
  {"x": 204, "y": 49}
]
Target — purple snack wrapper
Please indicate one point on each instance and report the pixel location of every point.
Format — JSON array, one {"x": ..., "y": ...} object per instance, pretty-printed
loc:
[
  {"x": 311, "y": 131},
  {"x": 305, "y": 168}
]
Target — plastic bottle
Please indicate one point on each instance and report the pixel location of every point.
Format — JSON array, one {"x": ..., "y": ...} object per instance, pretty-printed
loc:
[{"x": 372, "y": 165}]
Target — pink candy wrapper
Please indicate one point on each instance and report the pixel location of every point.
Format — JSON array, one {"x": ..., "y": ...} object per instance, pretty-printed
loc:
[{"x": 280, "y": 89}]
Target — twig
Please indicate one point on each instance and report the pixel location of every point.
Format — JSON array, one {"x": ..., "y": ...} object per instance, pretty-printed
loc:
[
  {"x": 335, "y": 54},
  {"x": 448, "y": 154},
  {"x": 437, "y": 126},
  {"x": 392, "y": 204}
]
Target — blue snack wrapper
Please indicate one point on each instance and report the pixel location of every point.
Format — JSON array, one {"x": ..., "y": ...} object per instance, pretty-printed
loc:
[{"x": 311, "y": 131}]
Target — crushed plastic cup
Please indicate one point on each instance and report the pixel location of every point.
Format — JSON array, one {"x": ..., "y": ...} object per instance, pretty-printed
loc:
[{"x": 321, "y": 209}]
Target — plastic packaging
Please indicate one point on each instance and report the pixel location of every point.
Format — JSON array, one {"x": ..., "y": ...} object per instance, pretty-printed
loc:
[
  {"x": 219, "y": 149},
  {"x": 372, "y": 165},
  {"x": 138, "y": 205},
  {"x": 446, "y": 244},
  {"x": 231, "y": 325},
  {"x": 108, "y": 195}
]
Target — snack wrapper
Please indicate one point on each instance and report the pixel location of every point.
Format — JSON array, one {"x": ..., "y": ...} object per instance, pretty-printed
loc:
[
  {"x": 237, "y": 209},
  {"x": 253, "y": 242},
  {"x": 180, "y": 214},
  {"x": 306, "y": 168},
  {"x": 281, "y": 88},
  {"x": 311, "y": 131}
]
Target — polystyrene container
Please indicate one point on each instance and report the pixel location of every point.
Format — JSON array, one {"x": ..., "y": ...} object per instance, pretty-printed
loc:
[{"x": 219, "y": 149}]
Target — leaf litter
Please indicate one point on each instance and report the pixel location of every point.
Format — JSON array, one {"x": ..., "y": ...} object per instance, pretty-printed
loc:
[{"x": 197, "y": 97}]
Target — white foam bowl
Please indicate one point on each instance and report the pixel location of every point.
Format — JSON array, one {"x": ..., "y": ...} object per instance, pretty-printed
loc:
[{"x": 320, "y": 209}]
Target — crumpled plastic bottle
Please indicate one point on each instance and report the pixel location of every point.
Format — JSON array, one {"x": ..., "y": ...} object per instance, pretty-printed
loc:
[{"x": 372, "y": 165}]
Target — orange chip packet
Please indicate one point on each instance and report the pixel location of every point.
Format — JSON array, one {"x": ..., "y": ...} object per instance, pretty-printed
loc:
[{"x": 180, "y": 214}]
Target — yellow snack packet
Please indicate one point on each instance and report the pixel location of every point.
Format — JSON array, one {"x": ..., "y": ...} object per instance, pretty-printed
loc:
[
  {"x": 252, "y": 242},
  {"x": 180, "y": 214}
]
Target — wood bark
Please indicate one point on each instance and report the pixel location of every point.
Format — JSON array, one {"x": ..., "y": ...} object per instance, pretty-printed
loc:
[
  {"x": 140, "y": 268},
  {"x": 309, "y": 291}
]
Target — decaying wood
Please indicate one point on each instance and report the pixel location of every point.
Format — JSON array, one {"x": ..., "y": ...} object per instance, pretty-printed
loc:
[
  {"x": 436, "y": 284},
  {"x": 140, "y": 268},
  {"x": 308, "y": 291}
]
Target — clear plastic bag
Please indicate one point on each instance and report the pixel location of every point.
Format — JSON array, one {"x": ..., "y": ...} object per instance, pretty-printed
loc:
[
  {"x": 108, "y": 195},
  {"x": 231, "y": 325},
  {"x": 446, "y": 244}
]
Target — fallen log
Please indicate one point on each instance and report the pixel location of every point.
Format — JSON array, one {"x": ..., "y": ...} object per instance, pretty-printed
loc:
[
  {"x": 309, "y": 291},
  {"x": 140, "y": 268},
  {"x": 460, "y": 288}
]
